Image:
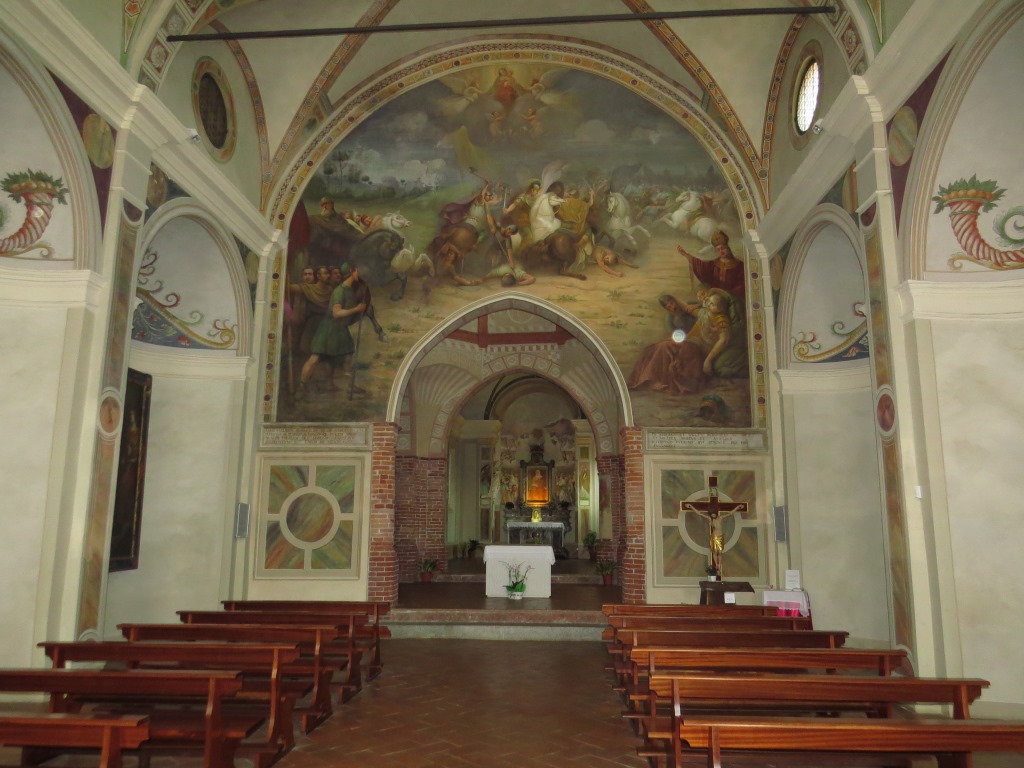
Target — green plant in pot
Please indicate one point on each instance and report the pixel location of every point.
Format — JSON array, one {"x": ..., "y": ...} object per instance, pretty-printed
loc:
[
  {"x": 607, "y": 570},
  {"x": 712, "y": 572},
  {"x": 590, "y": 542},
  {"x": 515, "y": 584},
  {"x": 473, "y": 546},
  {"x": 427, "y": 568}
]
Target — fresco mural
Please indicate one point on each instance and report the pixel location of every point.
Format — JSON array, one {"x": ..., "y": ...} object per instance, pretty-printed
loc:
[{"x": 503, "y": 178}]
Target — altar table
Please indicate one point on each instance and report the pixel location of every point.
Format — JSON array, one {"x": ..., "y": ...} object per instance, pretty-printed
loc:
[
  {"x": 538, "y": 558},
  {"x": 791, "y": 602},
  {"x": 552, "y": 533}
]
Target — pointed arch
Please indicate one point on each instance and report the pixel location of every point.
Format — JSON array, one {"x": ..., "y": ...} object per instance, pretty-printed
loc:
[{"x": 596, "y": 384}]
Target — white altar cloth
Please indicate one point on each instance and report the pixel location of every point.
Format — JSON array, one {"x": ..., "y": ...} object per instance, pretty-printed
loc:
[
  {"x": 791, "y": 602},
  {"x": 539, "y": 559}
]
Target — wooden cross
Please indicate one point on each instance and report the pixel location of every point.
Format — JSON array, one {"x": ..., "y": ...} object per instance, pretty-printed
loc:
[{"x": 712, "y": 509}]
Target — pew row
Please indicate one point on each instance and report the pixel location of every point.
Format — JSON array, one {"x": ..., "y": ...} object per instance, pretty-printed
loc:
[
  {"x": 312, "y": 641},
  {"x": 264, "y": 668},
  {"x": 372, "y": 632},
  {"x": 646, "y": 609},
  {"x": 345, "y": 650},
  {"x": 198, "y": 725},
  {"x": 60, "y": 731},
  {"x": 692, "y": 695},
  {"x": 720, "y": 623},
  {"x": 952, "y": 742}
]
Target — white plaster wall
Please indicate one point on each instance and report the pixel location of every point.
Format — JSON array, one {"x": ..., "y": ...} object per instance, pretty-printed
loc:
[
  {"x": 188, "y": 506},
  {"x": 837, "y": 510},
  {"x": 979, "y": 367},
  {"x": 29, "y": 375}
]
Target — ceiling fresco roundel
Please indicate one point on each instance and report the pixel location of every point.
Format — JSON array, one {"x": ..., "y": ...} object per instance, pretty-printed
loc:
[{"x": 500, "y": 177}]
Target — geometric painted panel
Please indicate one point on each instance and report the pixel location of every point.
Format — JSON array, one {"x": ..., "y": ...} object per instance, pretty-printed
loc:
[
  {"x": 309, "y": 526},
  {"x": 682, "y": 547}
]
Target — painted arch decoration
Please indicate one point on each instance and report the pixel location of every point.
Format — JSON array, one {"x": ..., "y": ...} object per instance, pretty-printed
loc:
[{"x": 432, "y": 187}]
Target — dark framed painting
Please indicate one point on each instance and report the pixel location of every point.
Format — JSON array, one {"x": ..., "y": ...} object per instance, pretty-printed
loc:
[{"x": 131, "y": 474}]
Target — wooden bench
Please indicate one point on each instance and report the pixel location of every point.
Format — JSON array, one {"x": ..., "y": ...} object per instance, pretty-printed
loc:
[
  {"x": 625, "y": 639},
  {"x": 268, "y": 662},
  {"x": 312, "y": 641},
  {"x": 57, "y": 731},
  {"x": 372, "y": 632},
  {"x": 344, "y": 650},
  {"x": 951, "y": 741},
  {"x": 725, "y": 623},
  {"x": 199, "y": 724},
  {"x": 816, "y": 694},
  {"x": 623, "y": 609}
]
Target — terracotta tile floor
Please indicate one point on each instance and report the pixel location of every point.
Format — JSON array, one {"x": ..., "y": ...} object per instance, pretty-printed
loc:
[{"x": 477, "y": 703}]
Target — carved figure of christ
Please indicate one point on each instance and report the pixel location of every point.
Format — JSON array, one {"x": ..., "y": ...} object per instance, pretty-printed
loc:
[{"x": 713, "y": 509}]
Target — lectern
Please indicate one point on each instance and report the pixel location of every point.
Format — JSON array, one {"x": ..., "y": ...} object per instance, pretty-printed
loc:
[{"x": 713, "y": 592}]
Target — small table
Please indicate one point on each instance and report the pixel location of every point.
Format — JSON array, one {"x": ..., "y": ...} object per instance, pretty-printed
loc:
[
  {"x": 550, "y": 532},
  {"x": 539, "y": 559},
  {"x": 713, "y": 592},
  {"x": 790, "y": 602}
]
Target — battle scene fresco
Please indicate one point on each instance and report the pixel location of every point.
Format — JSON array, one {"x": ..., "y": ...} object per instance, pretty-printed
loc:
[{"x": 535, "y": 178}]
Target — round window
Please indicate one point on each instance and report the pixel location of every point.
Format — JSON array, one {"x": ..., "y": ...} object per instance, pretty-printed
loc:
[
  {"x": 807, "y": 95},
  {"x": 213, "y": 108}
]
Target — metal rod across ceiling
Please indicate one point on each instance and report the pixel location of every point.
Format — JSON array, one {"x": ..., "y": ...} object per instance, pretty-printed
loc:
[{"x": 503, "y": 23}]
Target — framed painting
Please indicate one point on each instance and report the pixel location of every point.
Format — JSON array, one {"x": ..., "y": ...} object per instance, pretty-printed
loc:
[{"x": 126, "y": 528}]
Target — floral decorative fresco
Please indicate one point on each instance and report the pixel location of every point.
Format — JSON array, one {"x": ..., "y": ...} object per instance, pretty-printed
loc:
[{"x": 535, "y": 177}]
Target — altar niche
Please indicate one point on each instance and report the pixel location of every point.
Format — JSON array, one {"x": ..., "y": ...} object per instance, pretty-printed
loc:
[{"x": 535, "y": 481}]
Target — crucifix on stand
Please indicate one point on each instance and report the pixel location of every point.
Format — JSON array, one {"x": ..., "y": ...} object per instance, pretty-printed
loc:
[{"x": 712, "y": 510}]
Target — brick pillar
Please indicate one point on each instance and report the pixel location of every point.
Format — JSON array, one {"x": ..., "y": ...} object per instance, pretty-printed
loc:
[
  {"x": 383, "y": 566},
  {"x": 421, "y": 509},
  {"x": 609, "y": 470},
  {"x": 634, "y": 556}
]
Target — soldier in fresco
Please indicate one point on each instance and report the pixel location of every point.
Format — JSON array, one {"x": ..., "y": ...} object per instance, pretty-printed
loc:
[{"x": 332, "y": 341}]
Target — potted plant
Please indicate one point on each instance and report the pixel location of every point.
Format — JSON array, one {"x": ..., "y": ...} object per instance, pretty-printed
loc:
[
  {"x": 607, "y": 570},
  {"x": 590, "y": 542},
  {"x": 711, "y": 571},
  {"x": 427, "y": 568},
  {"x": 515, "y": 585},
  {"x": 473, "y": 545}
]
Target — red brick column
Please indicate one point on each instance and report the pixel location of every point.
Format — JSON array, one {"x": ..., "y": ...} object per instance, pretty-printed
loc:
[
  {"x": 634, "y": 558},
  {"x": 383, "y": 566},
  {"x": 421, "y": 508},
  {"x": 609, "y": 470}
]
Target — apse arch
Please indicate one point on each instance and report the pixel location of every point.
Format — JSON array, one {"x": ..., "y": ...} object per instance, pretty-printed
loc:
[
  {"x": 823, "y": 300},
  {"x": 184, "y": 222},
  {"x": 600, "y": 388},
  {"x": 443, "y": 61}
]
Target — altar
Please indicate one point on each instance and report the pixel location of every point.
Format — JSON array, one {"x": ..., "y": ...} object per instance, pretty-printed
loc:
[
  {"x": 550, "y": 533},
  {"x": 539, "y": 559}
]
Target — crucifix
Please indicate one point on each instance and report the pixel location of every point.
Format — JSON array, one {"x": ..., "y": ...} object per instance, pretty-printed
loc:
[{"x": 712, "y": 510}]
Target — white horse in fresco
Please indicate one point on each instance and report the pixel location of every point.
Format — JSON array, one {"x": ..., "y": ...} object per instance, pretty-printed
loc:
[
  {"x": 695, "y": 214},
  {"x": 620, "y": 222}
]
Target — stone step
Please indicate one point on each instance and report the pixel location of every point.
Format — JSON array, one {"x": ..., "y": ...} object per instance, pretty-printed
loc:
[{"x": 505, "y": 624}]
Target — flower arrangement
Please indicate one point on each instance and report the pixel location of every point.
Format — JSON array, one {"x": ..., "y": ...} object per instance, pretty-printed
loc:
[{"x": 515, "y": 585}]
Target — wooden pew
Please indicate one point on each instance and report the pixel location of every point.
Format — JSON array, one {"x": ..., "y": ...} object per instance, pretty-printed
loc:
[
  {"x": 200, "y": 724},
  {"x": 808, "y": 693},
  {"x": 624, "y": 609},
  {"x": 312, "y": 641},
  {"x": 951, "y": 741},
  {"x": 265, "y": 661},
  {"x": 110, "y": 734},
  {"x": 343, "y": 649},
  {"x": 625, "y": 639},
  {"x": 727, "y": 623},
  {"x": 645, "y": 660},
  {"x": 373, "y": 632}
]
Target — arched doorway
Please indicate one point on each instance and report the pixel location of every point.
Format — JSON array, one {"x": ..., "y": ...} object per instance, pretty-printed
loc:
[{"x": 514, "y": 359}]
